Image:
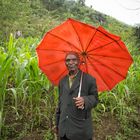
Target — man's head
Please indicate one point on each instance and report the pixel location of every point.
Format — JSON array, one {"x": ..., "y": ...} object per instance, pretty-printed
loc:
[{"x": 72, "y": 61}]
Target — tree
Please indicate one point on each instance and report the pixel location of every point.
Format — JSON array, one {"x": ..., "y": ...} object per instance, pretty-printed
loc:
[
  {"x": 13, "y": 13},
  {"x": 137, "y": 34},
  {"x": 137, "y": 31},
  {"x": 81, "y": 2},
  {"x": 53, "y": 4}
]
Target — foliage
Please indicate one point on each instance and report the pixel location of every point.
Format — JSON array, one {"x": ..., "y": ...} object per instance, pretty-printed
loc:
[
  {"x": 123, "y": 103},
  {"x": 30, "y": 103},
  {"x": 34, "y": 18},
  {"x": 137, "y": 34},
  {"x": 28, "y": 100},
  {"x": 25, "y": 87}
]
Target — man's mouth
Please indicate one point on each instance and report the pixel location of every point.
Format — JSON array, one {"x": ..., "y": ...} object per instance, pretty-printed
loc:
[{"x": 71, "y": 67}]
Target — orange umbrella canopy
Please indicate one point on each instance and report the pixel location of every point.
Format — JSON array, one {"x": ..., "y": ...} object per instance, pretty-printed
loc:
[{"x": 103, "y": 55}]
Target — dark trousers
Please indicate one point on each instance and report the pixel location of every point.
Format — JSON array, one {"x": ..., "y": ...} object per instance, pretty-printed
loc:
[{"x": 65, "y": 138}]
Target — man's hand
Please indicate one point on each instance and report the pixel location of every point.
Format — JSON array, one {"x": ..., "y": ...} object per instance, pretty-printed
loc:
[{"x": 79, "y": 102}]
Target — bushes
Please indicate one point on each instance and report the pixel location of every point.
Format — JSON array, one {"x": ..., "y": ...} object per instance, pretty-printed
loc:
[{"x": 27, "y": 101}]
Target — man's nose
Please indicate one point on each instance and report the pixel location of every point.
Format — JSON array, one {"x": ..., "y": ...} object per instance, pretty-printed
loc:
[{"x": 71, "y": 61}]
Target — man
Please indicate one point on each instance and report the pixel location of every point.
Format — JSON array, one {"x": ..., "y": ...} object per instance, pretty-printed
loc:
[{"x": 73, "y": 116}]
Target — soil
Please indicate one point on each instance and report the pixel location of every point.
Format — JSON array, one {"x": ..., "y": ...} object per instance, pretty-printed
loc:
[{"x": 107, "y": 126}]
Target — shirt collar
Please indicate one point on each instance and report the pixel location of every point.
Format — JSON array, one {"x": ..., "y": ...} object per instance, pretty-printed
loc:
[{"x": 73, "y": 76}]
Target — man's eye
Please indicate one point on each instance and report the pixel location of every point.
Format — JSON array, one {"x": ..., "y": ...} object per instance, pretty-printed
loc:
[{"x": 68, "y": 60}]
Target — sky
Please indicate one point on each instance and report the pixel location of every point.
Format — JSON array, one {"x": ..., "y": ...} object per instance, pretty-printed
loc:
[{"x": 127, "y": 11}]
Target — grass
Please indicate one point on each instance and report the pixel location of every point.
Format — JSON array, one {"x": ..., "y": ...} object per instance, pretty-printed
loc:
[{"x": 28, "y": 102}]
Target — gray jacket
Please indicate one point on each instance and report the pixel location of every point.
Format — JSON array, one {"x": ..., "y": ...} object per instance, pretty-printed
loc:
[{"x": 75, "y": 123}]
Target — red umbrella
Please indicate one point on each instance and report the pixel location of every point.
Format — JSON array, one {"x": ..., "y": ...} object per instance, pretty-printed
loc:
[{"x": 103, "y": 55}]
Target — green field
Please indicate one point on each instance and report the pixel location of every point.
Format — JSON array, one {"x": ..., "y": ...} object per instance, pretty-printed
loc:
[{"x": 28, "y": 100}]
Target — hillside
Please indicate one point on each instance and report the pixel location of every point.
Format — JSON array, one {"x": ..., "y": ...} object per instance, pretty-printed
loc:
[
  {"x": 34, "y": 18},
  {"x": 28, "y": 100}
]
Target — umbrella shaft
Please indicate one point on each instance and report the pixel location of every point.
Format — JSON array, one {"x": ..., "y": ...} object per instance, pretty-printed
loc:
[{"x": 79, "y": 93}]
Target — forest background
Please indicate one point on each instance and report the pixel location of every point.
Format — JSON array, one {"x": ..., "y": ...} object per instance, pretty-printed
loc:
[{"x": 28, "y": 100}]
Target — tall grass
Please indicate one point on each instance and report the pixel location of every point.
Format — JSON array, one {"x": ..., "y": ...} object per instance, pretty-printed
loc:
[
  {"x": 28, "y": 101},
  {"x": 122, "y": 102},
  {"x": 23, "y": 89}
]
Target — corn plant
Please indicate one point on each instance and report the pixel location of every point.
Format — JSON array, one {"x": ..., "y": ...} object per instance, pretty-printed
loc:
[
  {"x": 5, "y": 65},
  {"x": 31, "y": 100}
]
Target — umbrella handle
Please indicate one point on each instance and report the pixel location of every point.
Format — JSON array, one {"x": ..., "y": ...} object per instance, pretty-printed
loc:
[{"x": 79, "y": 93}]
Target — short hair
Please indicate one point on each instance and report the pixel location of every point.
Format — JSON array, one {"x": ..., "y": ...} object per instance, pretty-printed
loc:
[{"x": 73, "y": 53}]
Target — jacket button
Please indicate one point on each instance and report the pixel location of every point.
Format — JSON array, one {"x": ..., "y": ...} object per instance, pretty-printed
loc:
[{"x": 67, "y": 117}]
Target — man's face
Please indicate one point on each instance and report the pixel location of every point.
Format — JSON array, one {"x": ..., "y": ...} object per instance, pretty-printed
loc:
[{"x": 72, "y": 62}]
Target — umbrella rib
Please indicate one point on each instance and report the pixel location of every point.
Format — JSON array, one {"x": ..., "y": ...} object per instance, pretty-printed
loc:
[
  {"x": 60, "y": 75},
  {"x": 90, "y": 41},
  {"x": 107, "y": 35},
  {"x": 110, "y": 38},
  {"x": 62, "y": 51},
  {"x": 98, "y": 72},
  {"x": 64, "y": 40},
  {"x": 108, "y": 67},
  {"x": 77, "y": 36},
  {"x": 110, "y": 56},
  {"x": 102, "y": 46},
  {"x": 52, "y": 63}
]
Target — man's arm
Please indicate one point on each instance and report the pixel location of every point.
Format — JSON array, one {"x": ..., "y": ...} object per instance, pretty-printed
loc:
[{"x": 91, "y": 100}]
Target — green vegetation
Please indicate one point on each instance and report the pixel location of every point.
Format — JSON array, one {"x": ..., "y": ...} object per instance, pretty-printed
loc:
[{"x": 27, "y": 99}]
